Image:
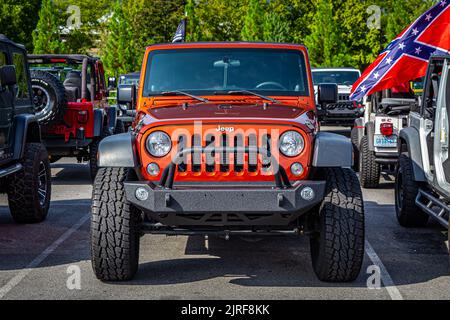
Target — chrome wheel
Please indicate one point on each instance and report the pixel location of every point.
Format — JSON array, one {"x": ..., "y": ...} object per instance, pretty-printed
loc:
[
  {"x": 42, "y": 184},
  {"x": 41, "y": 101}
]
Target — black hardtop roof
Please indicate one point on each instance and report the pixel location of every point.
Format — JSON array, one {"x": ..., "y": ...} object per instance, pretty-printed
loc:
[
  {"x": 71, "y": 58},
  {"x": 132, "y": 74},
  {"x": 6, "y": 40},
  {"x": 440, "y": 56}
]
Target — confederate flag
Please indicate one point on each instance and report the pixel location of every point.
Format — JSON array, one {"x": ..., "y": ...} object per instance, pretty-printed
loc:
[{"x": 406, "y": 58}]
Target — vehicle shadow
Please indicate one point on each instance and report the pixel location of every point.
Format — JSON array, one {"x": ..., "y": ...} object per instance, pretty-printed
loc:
[
  {"x": 411, "y": 256},
  {"x": 70, "y": 174},
  {"x": 21, "y": 244}
]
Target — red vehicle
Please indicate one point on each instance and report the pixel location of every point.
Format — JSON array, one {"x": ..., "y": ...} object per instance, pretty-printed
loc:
[
  {"x": 226, "y": 142},
  {"x": 70, "y": 99}
]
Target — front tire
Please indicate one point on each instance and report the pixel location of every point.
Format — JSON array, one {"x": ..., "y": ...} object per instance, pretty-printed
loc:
[
  {"x": 29, "y": 190},
  {"x": 337, "y": 249},
  {"x": 369, "y": 170},
  {"x": 409, "y": 215},
  {"x": 115, "y": 232}
]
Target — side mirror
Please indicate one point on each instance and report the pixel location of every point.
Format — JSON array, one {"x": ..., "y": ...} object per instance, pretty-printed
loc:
[
  {"x": 327, "y": 93},
  {"x": 126, "y": 94},
  {"x": 8, "y": 76},
  {"x": 112, "y": 83}
]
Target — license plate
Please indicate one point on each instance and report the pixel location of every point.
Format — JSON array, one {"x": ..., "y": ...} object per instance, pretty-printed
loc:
[{"x": 386, "y": 142}]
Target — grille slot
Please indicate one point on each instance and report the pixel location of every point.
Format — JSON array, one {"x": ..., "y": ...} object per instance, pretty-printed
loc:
[
  {"x": 196, "y": 156},
  {"x": 344, "y": 97},
  {"x": 224, "y": 159}
]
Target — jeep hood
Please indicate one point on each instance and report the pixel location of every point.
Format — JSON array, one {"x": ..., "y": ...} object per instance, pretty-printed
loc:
[{"x": 214, "y": 110}]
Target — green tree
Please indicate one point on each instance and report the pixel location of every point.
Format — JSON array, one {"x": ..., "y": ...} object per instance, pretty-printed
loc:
[
  {"x": 117, "y": 54},
  {"x": 215, "y": 20},
  {"x": 402, "y": 13},
  {"x": 193, "y": 32},
  {"x": 253, "y": 22},
  {"x": 276, "y": 24},
  {"x": 18, "y": 20},
  {"x": 325, "y": 41},
  {"x": 47, "y": 36},
  {"x": 362, "y": 41}
]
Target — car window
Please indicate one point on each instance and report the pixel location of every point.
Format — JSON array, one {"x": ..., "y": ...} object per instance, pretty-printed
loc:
[{"x": 22, "y": 92}]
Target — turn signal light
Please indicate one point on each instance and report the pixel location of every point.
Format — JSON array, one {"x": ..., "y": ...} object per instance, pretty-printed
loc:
[{"x": 387, "y": 129}]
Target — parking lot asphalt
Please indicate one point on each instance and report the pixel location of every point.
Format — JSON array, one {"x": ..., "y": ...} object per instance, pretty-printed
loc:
[{"x": 37, "y": 261}]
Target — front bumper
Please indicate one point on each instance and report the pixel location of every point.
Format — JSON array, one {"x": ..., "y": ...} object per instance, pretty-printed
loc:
[
  {"x": 224, "y": 205},
  {"x": 340, "y": 114}
]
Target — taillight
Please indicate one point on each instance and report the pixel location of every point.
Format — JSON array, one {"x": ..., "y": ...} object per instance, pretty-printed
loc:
[
  {"x": 83, "y": 116},
  {"x": 387, "y": 129}
]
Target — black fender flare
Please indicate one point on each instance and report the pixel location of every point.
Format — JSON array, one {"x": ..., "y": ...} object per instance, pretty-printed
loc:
[
  {"x": 99, "y": 115},
  {"x": 332, "y": 151},
  {"x": 26, "y": 129},
  {"x": 112, "y": 113},
  {"x": 411, "y": 138},
  {"x": 370, "y": 132},
  {"x": 118, "y": 151},
  {"x": 359, "y": 129}
]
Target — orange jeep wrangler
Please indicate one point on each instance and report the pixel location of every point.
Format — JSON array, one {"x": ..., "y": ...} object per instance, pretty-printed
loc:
[{"x": 226, "y": 142}]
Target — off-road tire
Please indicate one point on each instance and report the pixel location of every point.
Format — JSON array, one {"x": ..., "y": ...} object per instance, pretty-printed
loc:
[
  {"x": 25, "y": 203},
  {"x": 369, "y": 170},
  {"x": 3, "y": 185},
  {"x": 409, "y": 215},
  {"x": 337, "y": 248},
  {"x": 120, "y": 127},
  {"x": 47, "y": 86},
  {"x": 115, "y": 233},
  {"x": 356, "y": 155},
  {"x": 93, "y": 160}
]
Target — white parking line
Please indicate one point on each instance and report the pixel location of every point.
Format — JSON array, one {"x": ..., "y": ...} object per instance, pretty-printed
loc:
[
  {"x": 39, "y": 259},
  {"x": 393, "y": 291}
]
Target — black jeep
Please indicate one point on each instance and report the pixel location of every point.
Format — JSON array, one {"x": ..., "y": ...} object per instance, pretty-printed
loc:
[{"x": 24, "y": 164}]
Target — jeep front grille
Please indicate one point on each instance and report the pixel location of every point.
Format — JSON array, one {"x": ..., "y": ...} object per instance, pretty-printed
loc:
[
  {"x": 228, "y": 159},
  {"x": 343, "y": 97}
]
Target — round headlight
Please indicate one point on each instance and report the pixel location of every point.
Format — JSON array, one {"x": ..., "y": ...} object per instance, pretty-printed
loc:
[
  {"x": 159, "y": 144},
  {"x": 292, "y": 144}
]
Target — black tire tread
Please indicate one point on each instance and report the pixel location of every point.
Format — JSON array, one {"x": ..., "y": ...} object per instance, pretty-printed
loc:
[
  {"x": 369, "y": 170},
  {"x": 114, "y": 228},
  {"x": 410, "y": 215},
  {"x": 22, "y": 190},
  {"x": 338, "y": 251},
  {"x": 58, "y": 113}
]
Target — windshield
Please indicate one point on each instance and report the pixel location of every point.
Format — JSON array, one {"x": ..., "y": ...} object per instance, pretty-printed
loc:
[
  {"x": 347, "y": 78},
  {"x": 208, "y": 71}
]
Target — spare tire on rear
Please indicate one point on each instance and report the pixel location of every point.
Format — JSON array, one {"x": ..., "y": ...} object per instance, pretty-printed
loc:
[{"x": 49, "y": 97}]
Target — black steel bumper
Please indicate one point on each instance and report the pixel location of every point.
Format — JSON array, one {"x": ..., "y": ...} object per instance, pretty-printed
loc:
[
  {"x": 206, "y": 205},
  {"x": 340, "y": 114},
  {"x": 387, "y": 158}
]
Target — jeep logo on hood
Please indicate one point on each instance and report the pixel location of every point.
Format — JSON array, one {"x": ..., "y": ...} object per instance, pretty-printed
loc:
[{"x": 225, "y": 129}]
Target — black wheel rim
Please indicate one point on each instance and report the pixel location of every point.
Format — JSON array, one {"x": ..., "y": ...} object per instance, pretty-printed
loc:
[
  {"x": 42, "y": 184},
  {"x": 41, "y": 100}
]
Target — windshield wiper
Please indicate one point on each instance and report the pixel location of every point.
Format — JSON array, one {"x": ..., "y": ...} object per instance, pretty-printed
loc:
[
  {"x": 253, "y": 94},
  {"x": 176, "y": 92}
]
